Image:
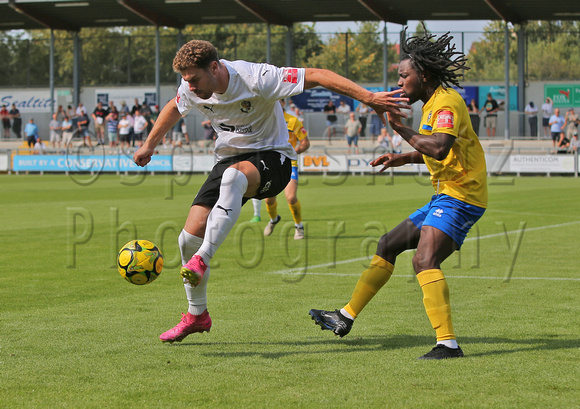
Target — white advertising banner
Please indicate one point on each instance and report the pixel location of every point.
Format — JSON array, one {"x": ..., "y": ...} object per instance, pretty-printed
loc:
[
  {"x": 190, "y": 163},
  {"x": 542, "y": 163},
  {"x": 26, "y": 101},
  {"x": 3, "y": 163},
  {"x": 116, "y": 95}
]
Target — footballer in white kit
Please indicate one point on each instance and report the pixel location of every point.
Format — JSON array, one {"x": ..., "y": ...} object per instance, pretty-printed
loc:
[{"x": 254, "y": 155}]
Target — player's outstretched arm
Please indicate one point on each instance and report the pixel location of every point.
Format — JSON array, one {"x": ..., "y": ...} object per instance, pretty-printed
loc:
[
  {"x": 168, "y": 117},
  {"x": 381, "y": 102},
  {"x": 394, "y": 160}
]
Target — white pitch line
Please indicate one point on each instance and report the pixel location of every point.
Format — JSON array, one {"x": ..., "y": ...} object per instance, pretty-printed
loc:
[{"x": 300, "y": 270}]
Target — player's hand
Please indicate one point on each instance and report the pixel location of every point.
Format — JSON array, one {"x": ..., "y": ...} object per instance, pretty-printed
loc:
[
  {"x": 394, "y": 120},
  {"x": 143, "y": 156},
  {"x": 388, "y": 160},
  {"x": 385, "y": 102}
]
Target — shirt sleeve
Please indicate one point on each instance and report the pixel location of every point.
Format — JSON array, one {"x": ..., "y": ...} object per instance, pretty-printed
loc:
[
  {"x": 276, "y": 83},
  {"x": 182, "y": 101}
]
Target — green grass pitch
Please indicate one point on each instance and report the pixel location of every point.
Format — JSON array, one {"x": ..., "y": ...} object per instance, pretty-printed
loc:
[{"x": 74, "y": 334}]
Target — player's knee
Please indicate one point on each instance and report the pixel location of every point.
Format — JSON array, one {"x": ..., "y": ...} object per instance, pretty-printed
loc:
[{"x": 385, "y": 248}]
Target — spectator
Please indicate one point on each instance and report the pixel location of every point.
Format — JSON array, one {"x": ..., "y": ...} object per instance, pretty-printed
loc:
[
  {"x": 352, "y": 129},
  {"x": 209, "y": 134},
  {"x": 384, "y": 140},
  {"x": 39, "y": 147},
  {"x": 177, "y": 133},
  {"x": 376, "y": 125},
  {"x": 136, "y": 107},
  {"x": 397, "y": 142},
  {"x": 16, "y": 121},
  {"x": 571, "y": 123},
  {"x": 146, "y": 113},
  {"x": 60, "y": 112},
  {"x": 67, "y": 131},
  {"x": 99, "y": 115},
  {"x": 124, "y": 132},
  {"x": 83, "y": 127},
  {"x": 5, "y": 115},
  {"x": 546, "y": 114},
  {"x": 343, "y": 107},
  {"x": 55, "y": 131},
  {"x": 473, "y": 110},
  {"x": 154, "y": 114},
  {"x": 331, "y": 119},
  {"x": 532, "y": 113},
  {"x": 139, "y": 126},
  {"x": 131, "y": 120},
  {"x": 574, "y": 144},
  {"x": 556, "y": 123},
  {"x": 563, "y": 143},
  {"x": 363, "y": 112},
  {"x": 31, "y": 133},
  {"x": 70, "y": 112},
  {"x": 113, "y": 128},
  {"x": 491, "y": 107},
  {"x": 81, "y": 110},
  {"x": 124, "y": 108}
]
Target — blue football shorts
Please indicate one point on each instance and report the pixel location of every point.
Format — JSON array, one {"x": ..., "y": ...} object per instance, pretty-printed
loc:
[{"x": 453, "y": 217}]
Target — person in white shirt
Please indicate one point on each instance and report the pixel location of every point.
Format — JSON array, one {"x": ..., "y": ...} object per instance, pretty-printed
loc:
[
  {"x": 252, "y": 150},
  {"x": 343, "y": 107},
  {"x": 124, "y": 132},
  {"x": 139, "y": 126},
  {"x": 546, "y": 114},
  {"x": 532, "y": 113}
]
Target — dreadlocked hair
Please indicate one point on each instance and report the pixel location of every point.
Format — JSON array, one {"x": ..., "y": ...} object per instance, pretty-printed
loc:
[{"x": 437, "y": 57}]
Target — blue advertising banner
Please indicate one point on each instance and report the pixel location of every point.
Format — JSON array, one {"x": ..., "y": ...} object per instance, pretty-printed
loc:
[
  {"x": 498, "y": 93},
  {"x": 88, "y": 163},
  {"x": 469, "y": 93},
  {"x": 314, "y": 100}
]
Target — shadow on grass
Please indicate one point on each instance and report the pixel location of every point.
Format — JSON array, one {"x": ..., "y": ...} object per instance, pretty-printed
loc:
[{"x": 373, "y": 343}]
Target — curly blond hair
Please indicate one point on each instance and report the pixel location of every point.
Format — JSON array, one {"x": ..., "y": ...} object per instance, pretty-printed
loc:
[{"x": 195, "y": 53}]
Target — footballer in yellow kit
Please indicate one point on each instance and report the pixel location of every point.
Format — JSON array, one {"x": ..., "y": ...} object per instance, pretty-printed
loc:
[
  {"x": 298, "y": 138},
  {"x": 448, "y": 145}
]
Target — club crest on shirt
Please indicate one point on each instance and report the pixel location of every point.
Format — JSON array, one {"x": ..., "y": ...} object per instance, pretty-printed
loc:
[
  {"x": 445, "y": 119},
  {"x": 246, "y": 107}
]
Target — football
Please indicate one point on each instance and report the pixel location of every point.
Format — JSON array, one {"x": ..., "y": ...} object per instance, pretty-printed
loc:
[{"x": 140, "y": 262}]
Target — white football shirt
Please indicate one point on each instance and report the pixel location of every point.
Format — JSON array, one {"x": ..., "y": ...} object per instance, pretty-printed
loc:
[{"x": 247, "y": 116}]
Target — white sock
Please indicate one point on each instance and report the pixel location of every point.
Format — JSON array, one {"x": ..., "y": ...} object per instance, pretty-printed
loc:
[
  {"x": 346, "y": 314},
  {"x": 257, "y": 207},
  {"x": 225, "y": 213},
  {"x": 196, "y": 296},
  {"x": 449, "y": 343}
]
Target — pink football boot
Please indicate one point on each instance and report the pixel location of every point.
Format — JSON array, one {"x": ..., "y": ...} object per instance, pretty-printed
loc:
[
  {"x": 188, "y": 325},
  {"x": 193, "y": 270}
]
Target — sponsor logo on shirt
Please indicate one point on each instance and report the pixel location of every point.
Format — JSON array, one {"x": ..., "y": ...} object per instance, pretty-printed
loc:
[
  {"x": 177, "y": 98},
  {"x": 236, "y": 129},
  {"x": 290, "y": 75},
  {"x": 445, "y": 119}
]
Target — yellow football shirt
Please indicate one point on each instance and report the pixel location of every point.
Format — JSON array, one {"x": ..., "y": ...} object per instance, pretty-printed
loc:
[
  {"x": 462, "y": 174},
  {"x": 296, "y": 131}
]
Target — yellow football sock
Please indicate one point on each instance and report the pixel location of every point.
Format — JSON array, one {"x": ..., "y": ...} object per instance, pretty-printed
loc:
[
  {"x": 272, "y": 210},
  {"x": 296, "y": 210},
  {"x": 369, "y": 283},
  {"x": 436, "y": 301}
]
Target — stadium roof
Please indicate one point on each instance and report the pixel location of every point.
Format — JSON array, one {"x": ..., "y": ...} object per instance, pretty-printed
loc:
[{"x": 72, "y": 15}]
